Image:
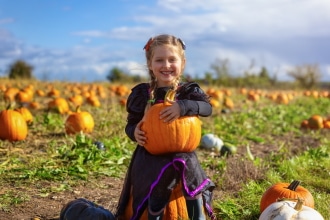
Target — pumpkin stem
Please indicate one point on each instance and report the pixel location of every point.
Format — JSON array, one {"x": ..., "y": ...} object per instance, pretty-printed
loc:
[
  {"x": 78, "y": 108},
  {"x": 299, "y": 204},
  {"x": 293, "y": 186},
  {"x": 169, "y": 96}
]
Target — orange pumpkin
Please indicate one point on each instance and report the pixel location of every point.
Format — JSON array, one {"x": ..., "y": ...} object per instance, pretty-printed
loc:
[
  {"x": 23, "y": 96},
  {"x": 304, "y": 124},
  {"x": 315, "y": 122},
  {"x": 326, "y": 124},
  {"x": 286, "y": 191},
  {"x": 175, "y": 209},
  {"x": 93, "y": 100},
  {"x": 26, "y": 114},
  {"x": 79, "y": 121},
  {"x": 214, "y": 102},
  {"x": 181, "y": 135},
  {"x": 13, "y": 126},
  {"x": 282, "y": 99},
  {"x": 60, "y": 105},
  {"x": 10, "y": 93},
  {"x": 228, "y": 103}
]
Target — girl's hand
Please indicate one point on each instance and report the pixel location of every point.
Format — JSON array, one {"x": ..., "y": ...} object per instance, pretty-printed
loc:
[
  {"x": 170, "y": 113},
  {"x": 139, "y": 134}
]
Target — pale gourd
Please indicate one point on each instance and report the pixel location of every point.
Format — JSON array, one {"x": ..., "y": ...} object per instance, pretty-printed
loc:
[
  {"x": 290, "y": 210},
  {"x": 211, "y": 142}
]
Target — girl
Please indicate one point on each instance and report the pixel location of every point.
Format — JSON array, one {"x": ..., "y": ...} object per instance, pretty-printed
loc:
[{"x": 151, "y": 178}]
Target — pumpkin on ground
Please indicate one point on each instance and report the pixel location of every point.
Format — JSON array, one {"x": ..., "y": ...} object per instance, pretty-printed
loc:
[
  {"x": 59, "y": 104},
  {"x": 211, "y": 142},
  {"x": 181, "y": 135},
  {"x": 284, "y": 210},
  {"x": 27, "y": 115},
  {"x": 13, "y": 126},
  {"x": 228, "y": 149},
  {"x": 286, "y": 190},
  {"x": 84, "y": 209},
  {"x": 315, "y": 122},
  {"x": 79, "y": 121},
  {"x": 175, "y": 209}
]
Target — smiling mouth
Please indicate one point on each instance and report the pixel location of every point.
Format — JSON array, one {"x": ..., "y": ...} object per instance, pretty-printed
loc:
[{"x": 167, "y": 72}]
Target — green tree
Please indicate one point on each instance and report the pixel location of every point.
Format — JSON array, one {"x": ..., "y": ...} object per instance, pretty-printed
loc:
[
  {"x": 20, "y": 70},
  {"x": 116, "y": 75},
  {"x": 264, "y": 73}
]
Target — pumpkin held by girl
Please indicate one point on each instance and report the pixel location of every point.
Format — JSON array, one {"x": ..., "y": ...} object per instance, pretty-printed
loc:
[{"x": 181, "y": 135}]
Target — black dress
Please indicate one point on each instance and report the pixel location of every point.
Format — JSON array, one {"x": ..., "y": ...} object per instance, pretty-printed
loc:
[{"x": 149, "y": 174}]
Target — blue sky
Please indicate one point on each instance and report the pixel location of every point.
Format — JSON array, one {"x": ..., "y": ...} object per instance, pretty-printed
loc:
[{"x": 83, "y": 40}]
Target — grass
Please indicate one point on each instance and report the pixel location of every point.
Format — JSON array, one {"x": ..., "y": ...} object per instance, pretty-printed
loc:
[{"x": 49, "y": 154}]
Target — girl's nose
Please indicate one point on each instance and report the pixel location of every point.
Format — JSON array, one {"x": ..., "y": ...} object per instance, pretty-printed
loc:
[{"x": 167, "y": 63}]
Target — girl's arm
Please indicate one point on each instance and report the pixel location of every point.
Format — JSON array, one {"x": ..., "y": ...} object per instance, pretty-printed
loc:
[
  {"x": 193, "y": 101},
  {"x": 192, "y": 107},
  {"x": 136, "y": 103}
]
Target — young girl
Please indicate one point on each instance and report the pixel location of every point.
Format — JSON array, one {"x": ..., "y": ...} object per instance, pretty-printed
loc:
[{"x": 151, "y": 178}]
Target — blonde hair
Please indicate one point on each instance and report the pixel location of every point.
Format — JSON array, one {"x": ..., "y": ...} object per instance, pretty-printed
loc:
[{"x": 153, "y": 42}]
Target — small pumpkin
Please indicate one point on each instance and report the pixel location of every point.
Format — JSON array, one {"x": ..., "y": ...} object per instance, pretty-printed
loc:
[
  {"x": 181, "y": 135},
  {"x": 79, "y": 121},
  {"x": 27, "y": 115},
  {"x": 59, "y": 104},
  {"x": 286, "y": 190},
  {"x": 13, "y": 126},
  {"x": 214, "y": 102},
  {"x": 76, "y": 100},
  {"x": 93, "y": 100},
  {"x": 282, "y": 99},
  {"x": 23, "y": 96},
  {"x": 284, "y": 210},
  {"x": 228, "y": 149},
  {"x": 84, "y": 209},
  {"x": 211, "y": 142},
  {"x": 10, "y": 93},
  {"x": 304, "y": 124},
  {"x": 326, "y": 124},
  {"x": 315, "y": 122}
]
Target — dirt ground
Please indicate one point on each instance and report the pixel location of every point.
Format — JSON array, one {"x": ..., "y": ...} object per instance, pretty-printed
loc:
[{"x": 106, "y": 191}]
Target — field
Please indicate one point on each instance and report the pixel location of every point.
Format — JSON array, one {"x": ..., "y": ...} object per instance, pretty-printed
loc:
[{"x": 49, "y": 168}]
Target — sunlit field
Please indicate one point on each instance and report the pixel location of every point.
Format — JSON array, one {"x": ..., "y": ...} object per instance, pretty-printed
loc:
[{"x": 270, "y": 136}]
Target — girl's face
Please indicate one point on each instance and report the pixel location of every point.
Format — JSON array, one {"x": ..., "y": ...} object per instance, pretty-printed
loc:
[{"x": 166, "y": 64}]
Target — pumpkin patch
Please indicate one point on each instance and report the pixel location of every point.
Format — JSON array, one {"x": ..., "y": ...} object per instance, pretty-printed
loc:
[{"x": 49, "y": 167}]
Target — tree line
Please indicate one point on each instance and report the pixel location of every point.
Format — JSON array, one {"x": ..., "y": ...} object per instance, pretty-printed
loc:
[{"x": 304, "y": 76}]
